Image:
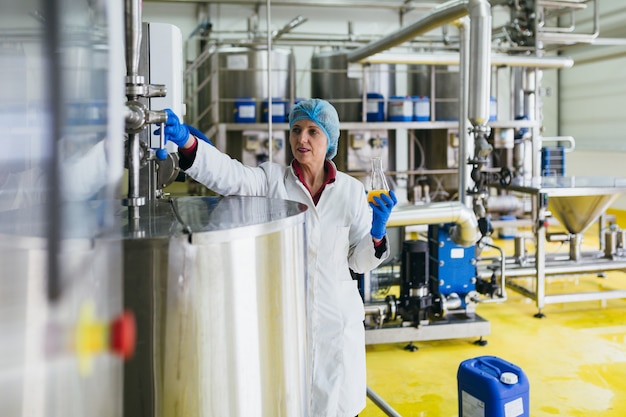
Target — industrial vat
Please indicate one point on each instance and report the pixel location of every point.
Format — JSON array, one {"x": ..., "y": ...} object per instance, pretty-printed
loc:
[
  {"x": 334, "y": 80},
  {"x": 236, "y": 91},
  {"x": 241, "y": 73},
  {"x": 218, "y": 289},
  {"x": 48, "y": 367},
  {"x": 60, "y": 266}
]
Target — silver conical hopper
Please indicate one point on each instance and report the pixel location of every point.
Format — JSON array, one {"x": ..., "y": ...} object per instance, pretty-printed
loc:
[
  {"x": 577, "y": 213},
  {"x": 577, "y": 202}
]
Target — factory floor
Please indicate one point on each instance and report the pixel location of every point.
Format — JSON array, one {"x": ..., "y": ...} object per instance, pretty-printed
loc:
[{"x": 574, "y": 357}]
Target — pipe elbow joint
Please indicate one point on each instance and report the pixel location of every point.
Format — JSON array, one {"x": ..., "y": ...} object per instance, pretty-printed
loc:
[
  {"x": 465, "y": 231},
  {"x": 479, "y": 8}
]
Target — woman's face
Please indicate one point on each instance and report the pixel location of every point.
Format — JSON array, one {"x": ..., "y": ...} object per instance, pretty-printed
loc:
[{"x": 308, "y": 143}]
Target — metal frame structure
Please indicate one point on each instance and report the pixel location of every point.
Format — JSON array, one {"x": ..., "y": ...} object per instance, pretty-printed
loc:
[{"x": 592, "y": 197}]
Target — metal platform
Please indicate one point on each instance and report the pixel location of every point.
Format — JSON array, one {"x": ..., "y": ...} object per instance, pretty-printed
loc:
[{"x": 455, "y": 326}]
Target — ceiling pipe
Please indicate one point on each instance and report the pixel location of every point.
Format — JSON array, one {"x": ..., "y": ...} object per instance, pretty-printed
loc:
[
  {"x": 356, "y": 4},
  {"x": 544, "y": 62},
  {"x": 294, "y": 23},
  {"x": 439, "y": 16}
]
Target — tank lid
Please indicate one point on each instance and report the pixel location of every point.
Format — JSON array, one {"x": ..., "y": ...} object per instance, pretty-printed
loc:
[
  {"x": 213, "y": 214},
  {"x": 508, "y": 378}
]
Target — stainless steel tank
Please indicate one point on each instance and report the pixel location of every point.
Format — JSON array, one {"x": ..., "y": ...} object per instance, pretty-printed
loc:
[
  {"x": 241, "y": 72},
  {"x": 49, "y": 353},
  {"x": 446, "y": 88},
  {"x": 333, "y": 80},
  {"x": 60, "y": 266},
  {"x": 218, "y": 289}
]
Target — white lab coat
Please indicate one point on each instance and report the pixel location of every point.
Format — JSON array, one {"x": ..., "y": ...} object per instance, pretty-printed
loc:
[{"x": 338, "y": 237}]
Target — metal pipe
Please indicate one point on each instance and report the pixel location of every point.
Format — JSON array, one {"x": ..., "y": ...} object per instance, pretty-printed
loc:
[
  {"x": 55, "y": 100},
  {"x": 355, "y": 4},
  {"x": 560, "y": 139},
  {"x": 465, "y": 233},
  {"x": 375, "y": 309},
  {"x": 585, "y": 296},
  {"x": 382, "y": 404},
  {"x": 464, "y": 138},
  {"x": 532, "y": 83},
  {"x": 132, "y": 18},
  {"x": 378, "y": 311},
  {"x": 294, "y": 23},
  {"x": 440, "y": 15},
  {"x": 292, "y": 80},
  {"x": 504, "y": 204},
  {"x": 574, "y": 246},
  {"x": 480, "y": 53},
  {"x": 270, "y": 98},
  {"x": 448, "y": 58},
  {"x": 502, "y": 296},
  {"x": 573, "y": 38},
  {"x": 518, "y": 96},
  {"x": 134, "y": 163},
  {"x": 568, "y": 268}
]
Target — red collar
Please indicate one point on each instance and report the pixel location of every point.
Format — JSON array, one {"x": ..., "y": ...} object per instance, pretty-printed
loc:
[{"x": 331, "y": 175}]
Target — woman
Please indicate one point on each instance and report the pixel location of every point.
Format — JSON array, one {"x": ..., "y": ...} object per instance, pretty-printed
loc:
[{"x": 342, "y": 234}]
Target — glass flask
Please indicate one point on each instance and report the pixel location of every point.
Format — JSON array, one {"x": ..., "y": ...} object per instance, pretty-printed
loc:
[{"x": 378, "y": 182}]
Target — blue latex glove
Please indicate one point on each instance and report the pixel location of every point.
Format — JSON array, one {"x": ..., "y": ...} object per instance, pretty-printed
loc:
[
  {"x": 175, "y": 131},
  {"x": 178, "y": 132},
  {"x": 199, "y": 134},
  {"x": 381, "y": 211}
]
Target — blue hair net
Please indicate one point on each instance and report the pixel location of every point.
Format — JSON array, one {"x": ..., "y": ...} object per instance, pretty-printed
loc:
[{"x": 323, "y": 114}]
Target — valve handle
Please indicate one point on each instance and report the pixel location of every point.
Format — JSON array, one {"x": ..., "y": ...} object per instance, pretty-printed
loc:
[{"x": 161, "y": 153}]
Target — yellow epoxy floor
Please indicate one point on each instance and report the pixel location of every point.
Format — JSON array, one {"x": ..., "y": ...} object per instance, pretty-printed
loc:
[{"x": 574, "y": 358}]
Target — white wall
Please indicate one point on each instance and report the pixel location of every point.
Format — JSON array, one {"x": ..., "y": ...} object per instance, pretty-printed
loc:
[{"x": 593, "y": 99}]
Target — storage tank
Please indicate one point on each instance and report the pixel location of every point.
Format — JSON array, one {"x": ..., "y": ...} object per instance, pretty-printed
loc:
[
  {"x": 446, "y": 88},
  {"x": 217, "y": 285},
  {"x": 240, "y": 73},
  {"x": 52, "y": 362},
  {"x": 332, "y": 79},
  {"x": 60, "y": 275}
]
